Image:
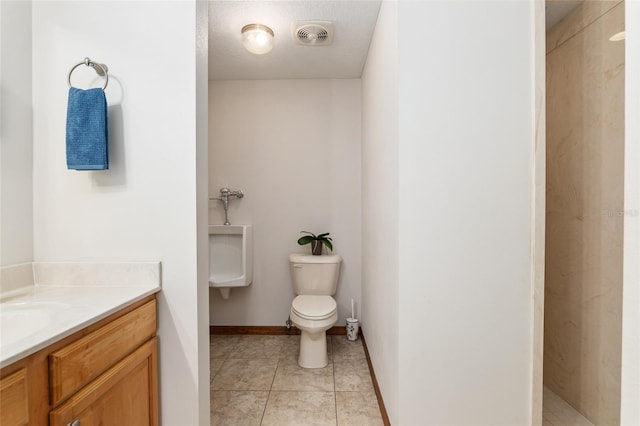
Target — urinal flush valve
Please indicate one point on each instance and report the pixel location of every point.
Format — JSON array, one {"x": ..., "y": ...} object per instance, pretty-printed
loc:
[{"x": 225, "y": 195}]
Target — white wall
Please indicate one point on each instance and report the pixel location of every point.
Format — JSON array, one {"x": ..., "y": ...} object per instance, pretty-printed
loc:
[
  {"x": 630, "y": 389},
  {"x": 144, "y": 207},
  {"x": 293, "y": 147},
  {"x": 202, "y": 214},
  {"x": 465, "y": 155},
  {"x": 466, "y": 132},
  {"x": 538, "y": 214},
  {"x": 16, "y": 146},
  {"x": 465, "y": 176},
  {"x": 380, "y": 205}
]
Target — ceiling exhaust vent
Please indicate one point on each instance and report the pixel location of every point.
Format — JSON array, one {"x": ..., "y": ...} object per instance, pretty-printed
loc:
[{"x": 313, "y": 33}]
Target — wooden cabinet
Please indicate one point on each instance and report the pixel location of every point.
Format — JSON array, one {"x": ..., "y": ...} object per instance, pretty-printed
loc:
[
  {"x": 14, "y": 405},
  {"x": 78, "y": 363},
  {"x": 103, "y": 375},
  {"x": 124, "y": 395}
]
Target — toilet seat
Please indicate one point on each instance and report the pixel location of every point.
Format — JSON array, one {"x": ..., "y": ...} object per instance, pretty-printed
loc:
[{"x": 314, "y": 308}]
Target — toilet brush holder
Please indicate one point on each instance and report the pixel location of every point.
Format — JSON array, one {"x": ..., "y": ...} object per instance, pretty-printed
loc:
[{"x": 352, "y": 329}]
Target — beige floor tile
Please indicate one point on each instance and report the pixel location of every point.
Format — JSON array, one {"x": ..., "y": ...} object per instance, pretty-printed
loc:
[
  {"x": 358, "y": 408},
  {"x": 330, "y": 348},
  {"x": 220, "y": 346},
  {"x": 245, "y": 368},
  {"x": 214, "y": 366},
  {"x": 344, "y": 349},
  {"x": 237, "y": 408},
  {"x": 245, "y": 374},
  {"x": 290, "y": 347},
  {"x": 300, "y": 408},
  {"x": 352, "y": 375},
  {"x": 557, "y": 412},
  {"x": 291, "y": 377},
  {"x": 258, "y": 347}
]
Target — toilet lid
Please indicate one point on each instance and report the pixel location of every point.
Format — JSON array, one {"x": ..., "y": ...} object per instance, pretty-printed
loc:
[{"x": 314, "y": 307}]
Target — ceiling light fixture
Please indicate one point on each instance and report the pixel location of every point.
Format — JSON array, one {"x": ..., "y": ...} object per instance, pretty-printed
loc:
[
  {"x": 617, "y": 37},
  {"x": 257, "y": 38}
]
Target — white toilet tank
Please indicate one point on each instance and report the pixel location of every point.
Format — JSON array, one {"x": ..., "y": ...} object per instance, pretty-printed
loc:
[{"x": 315, "y": 275}]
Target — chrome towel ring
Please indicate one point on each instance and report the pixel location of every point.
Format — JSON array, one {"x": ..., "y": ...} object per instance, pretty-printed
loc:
[{"x": 101, "y": 70}]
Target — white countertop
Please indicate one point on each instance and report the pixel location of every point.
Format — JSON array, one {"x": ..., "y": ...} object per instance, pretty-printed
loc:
[{"x": 36, "y": 316}]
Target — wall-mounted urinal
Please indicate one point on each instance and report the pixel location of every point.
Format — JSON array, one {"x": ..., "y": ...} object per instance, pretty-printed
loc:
[{"x": 230, "y": 257}]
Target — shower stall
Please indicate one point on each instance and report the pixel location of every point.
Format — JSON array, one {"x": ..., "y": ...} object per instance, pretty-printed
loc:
[{"x": 585, "y": 213}]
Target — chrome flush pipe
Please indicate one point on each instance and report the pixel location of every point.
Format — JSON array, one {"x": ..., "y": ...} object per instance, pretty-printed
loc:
[{"x": 225, "y": 194}]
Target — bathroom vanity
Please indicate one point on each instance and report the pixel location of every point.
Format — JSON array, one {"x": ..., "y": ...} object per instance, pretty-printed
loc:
[
  {"x": 92, "y": 360},
  {"x": 103, "y": 374}
]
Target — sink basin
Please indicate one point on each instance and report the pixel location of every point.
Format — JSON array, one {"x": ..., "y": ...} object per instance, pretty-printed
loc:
[{"x": 20, "y": 320}]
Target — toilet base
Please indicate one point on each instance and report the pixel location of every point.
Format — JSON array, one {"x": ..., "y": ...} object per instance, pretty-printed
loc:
[{"x": 313, "y": 349}]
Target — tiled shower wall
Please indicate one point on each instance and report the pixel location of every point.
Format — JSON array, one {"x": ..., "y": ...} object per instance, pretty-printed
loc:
[{"x": 585, "y": 166}]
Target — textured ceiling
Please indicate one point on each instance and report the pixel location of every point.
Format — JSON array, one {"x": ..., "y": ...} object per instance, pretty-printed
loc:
[
  {"x": 354, "y": 22},
  {"x": 558, "y": 9}
]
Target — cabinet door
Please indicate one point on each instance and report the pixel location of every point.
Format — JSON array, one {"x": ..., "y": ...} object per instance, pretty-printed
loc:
[
  {"x": 126, "y": 394},
  {"x": 82, "y": 361},
  {"x": 14, "y": 399}
]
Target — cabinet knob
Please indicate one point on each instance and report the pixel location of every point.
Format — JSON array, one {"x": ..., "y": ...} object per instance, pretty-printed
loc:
[{"x": 74, "y": 423}]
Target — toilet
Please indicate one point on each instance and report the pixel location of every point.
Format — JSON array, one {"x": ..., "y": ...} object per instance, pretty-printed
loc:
[{"x": 314, "y": 311}]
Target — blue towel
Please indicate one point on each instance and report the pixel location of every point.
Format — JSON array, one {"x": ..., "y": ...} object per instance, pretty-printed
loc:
[{"x": 87, "y": 133}]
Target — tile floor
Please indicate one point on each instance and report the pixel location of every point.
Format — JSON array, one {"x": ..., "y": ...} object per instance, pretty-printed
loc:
[
  {"x": 557, "y": 412},
  {"x": 256, "y": 380}
]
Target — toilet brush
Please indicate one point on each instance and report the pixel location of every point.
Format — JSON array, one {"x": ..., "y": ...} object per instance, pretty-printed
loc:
[
  {"x": 353, "y": 315},
  {"x": 352, "y": 325}
]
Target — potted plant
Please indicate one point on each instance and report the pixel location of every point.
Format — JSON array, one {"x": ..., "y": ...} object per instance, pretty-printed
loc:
[{"x": 317, "y": 241}]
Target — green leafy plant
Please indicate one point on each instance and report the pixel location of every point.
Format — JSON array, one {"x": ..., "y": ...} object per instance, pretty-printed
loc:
[{"x": 316, "y": 241}]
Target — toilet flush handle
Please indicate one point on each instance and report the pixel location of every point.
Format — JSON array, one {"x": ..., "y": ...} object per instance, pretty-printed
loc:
[{"x": 297, "y": 265}]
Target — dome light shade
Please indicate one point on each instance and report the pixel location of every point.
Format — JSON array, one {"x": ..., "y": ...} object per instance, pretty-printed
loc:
[
  {"x": 257, "y": 38},
  {"x": 618, "y": 36}
]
